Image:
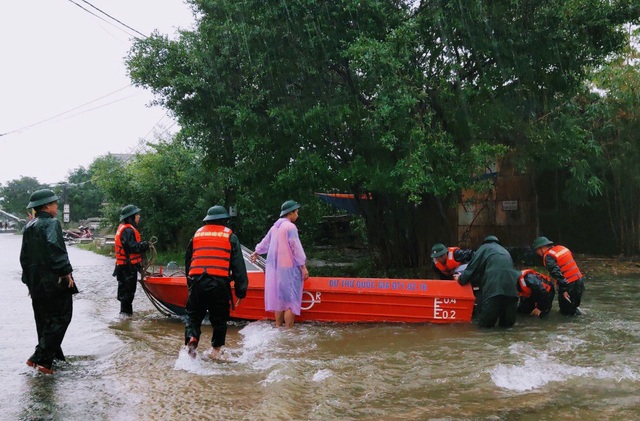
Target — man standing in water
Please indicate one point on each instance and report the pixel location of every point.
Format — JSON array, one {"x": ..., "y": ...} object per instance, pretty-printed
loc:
[
  {"x": 129, "y": 249},
  {"x": 213, "y": 259},
  {"x": 46, "y": 271},
  {"x": 286, "y": 268},
  {"x": 559, "y": 262},
  {"x": 492, "y": 267}
]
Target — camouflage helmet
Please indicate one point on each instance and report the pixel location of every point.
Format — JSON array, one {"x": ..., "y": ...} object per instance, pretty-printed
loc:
[
  {"x": 541, "y": 242},
  {"x": 216, "y": 212},
  {"x": 288, "y": 207},
  {"x": 128, "y": 211},
  {"x": 490, "y": 239},
  {"x": 41, "y": 197},
  {"x": 438, "y": 250}
]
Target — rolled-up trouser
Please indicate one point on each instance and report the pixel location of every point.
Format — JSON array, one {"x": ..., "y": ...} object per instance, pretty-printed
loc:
[{"x": 211, "y": 295}]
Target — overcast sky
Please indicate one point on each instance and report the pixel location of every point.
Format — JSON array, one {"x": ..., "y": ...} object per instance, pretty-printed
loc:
[{"x": 56, "y": 57}]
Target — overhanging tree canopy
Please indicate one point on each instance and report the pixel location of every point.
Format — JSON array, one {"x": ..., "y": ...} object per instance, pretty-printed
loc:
[{"x": 403, "y": 99}]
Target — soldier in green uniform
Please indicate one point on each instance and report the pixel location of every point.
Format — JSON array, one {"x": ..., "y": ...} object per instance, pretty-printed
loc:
[
  {"x": 46, "y": 271},
  {"x": 492, "y": 269},
  {"x": 129, "y": 248},
  {"x": 212, "y": 261}
]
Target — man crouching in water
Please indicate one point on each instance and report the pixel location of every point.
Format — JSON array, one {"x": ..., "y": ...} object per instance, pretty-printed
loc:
[{"x": 536, "y": 293}]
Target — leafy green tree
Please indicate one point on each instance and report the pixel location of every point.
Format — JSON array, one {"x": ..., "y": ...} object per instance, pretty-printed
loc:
[
  {"x": 84, "y": 197},
  {"x": 167, "y": 182},
  {"x": 404, "y": 100},
  {"x": 614, "y": 119},
  {"x": 16, "y": 195},
  {"x": 588, "y": 162}
]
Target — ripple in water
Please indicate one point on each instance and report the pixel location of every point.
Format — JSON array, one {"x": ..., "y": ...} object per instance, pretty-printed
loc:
[
  {"x": 540, "y": 368},
  {"x": 322, "y": 375}
]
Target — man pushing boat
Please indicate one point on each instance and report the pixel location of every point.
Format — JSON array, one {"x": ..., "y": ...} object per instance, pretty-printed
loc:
[{"x": 213, "y": 259}]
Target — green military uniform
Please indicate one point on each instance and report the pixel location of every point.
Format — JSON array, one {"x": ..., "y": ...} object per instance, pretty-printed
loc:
[
  {"x": 491, "y": 268},
  {"x": 125, "y": 271},
  {"x": 44, "y": 261}
]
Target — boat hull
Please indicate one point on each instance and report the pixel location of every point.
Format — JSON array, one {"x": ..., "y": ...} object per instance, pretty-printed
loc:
[{"x": 343, "y": 300}]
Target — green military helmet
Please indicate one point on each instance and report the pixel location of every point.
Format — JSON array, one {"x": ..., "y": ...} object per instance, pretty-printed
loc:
[
  {"x": 216, "y": 212},
  {"x": 438, "y": 250},
  {"x": 129, "y": 210},
  {"x": 490, "y": 239},
  {"x": 541, "y": 242},
  {"x": 41, "y": 197},
  {"x": 289, "y": 206}
]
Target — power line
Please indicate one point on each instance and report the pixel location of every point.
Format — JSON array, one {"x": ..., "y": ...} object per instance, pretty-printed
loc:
[
  {"x": 111, "y": 17},
  {"x": 103, "y": 19},
  {"x": 142, "y": 147},
  {"x": 120, "y": 22},
  {"x": 65, "y": 112},
  {"x": 167, "y": 129},
  {"x": 154, "y": 126},
  {"x": 100, "y": 106}
]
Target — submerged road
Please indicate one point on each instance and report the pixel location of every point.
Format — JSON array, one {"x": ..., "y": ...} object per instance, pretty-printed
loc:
[{"x": 135, "y": 369}]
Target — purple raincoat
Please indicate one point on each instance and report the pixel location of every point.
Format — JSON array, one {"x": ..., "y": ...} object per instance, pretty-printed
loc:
[{"x": 283, "y": 276}]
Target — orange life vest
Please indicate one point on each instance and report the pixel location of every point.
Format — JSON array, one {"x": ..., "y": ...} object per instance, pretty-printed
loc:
[
  {"x": 121, "y": 255},
  {"x": 524, "y": 290},
  {"x": 450, "y": 264},
  {"x": 567, "y": 265},
  {"x": 211, "y": 251}
]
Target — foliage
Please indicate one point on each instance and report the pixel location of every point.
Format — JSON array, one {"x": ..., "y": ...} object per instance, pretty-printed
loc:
[
  {"x": 83, "y": 196},
  {"x": 406, "y": 100},
  {"x": 110, "y": 176},
  {"x": 595, "y": 159},
  {"x": 16, "y": 195},
  {"x": 167, "y": 184},
  {"x": 614, "y": 119},
  {"x": 105, "y": 251}
]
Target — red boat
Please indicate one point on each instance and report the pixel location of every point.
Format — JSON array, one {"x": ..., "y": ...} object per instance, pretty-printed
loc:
[{"x": 333, "y": 299}]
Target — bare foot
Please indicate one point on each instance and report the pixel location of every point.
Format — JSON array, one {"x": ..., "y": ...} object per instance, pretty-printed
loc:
[{"x": 215, "y": 353}]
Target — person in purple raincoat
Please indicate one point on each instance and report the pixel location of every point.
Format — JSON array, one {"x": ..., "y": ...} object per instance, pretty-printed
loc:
[{"x": 286, "y": 268}]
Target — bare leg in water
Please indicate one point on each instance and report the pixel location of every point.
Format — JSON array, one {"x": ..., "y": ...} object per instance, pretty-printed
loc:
[
  {"x": 289, "y": 317},
  {"x": 279, "y": 318},
  {"x": 285, "y": 318}
]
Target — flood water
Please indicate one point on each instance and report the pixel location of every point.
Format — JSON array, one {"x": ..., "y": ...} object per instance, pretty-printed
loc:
[{"x": 584, "y": 368}]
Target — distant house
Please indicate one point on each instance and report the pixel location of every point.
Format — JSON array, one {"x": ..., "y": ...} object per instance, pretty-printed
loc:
[
  {"x": 9, "y": 221},
  {"x": 93, "y": 223},
  {"x": 508, "y": 211},
  {"x": 122, "y": 157}
]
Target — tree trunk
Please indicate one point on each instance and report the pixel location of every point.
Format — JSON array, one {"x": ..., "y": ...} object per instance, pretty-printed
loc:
[{"x": 400, "y": 233}]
